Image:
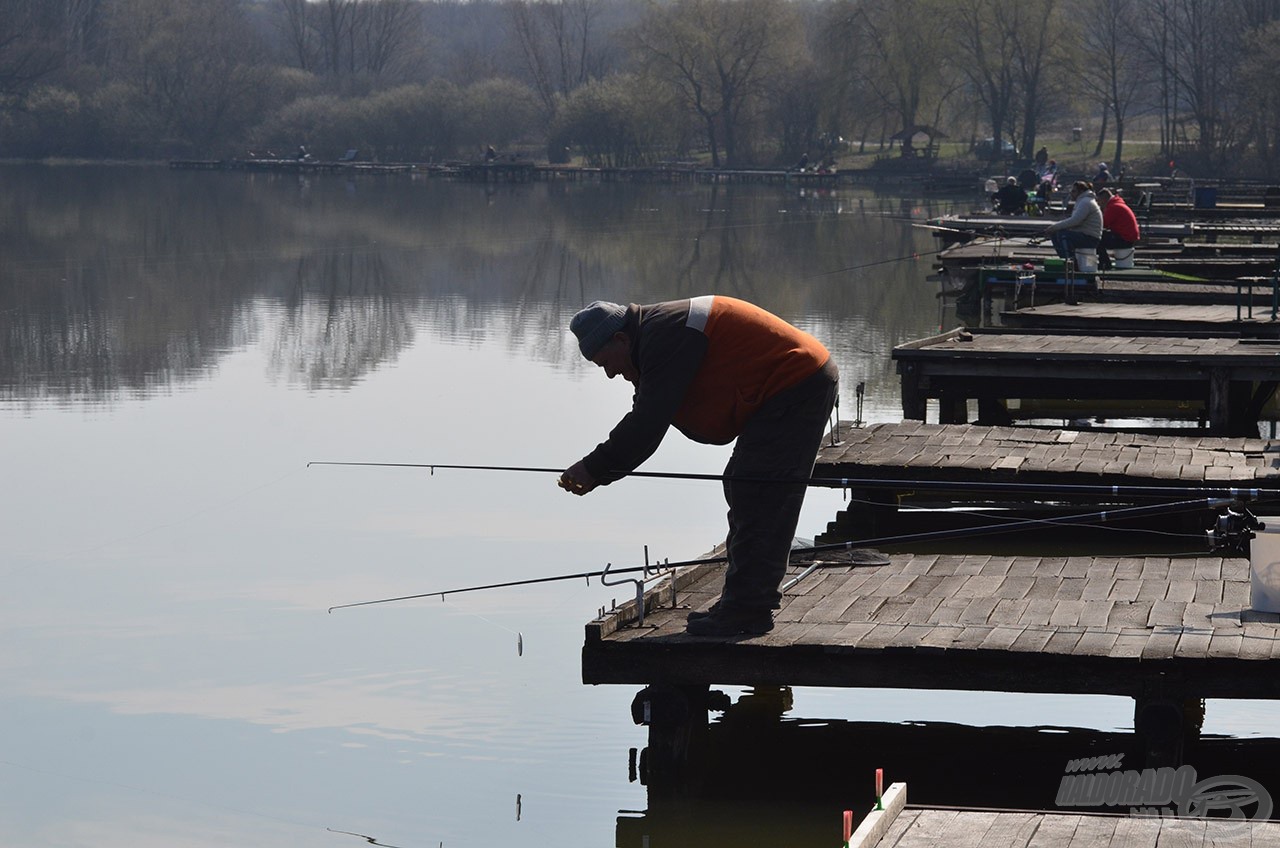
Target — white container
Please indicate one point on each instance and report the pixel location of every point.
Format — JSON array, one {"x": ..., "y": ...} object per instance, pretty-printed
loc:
[
  {"x": 1264, "y": 569},
  {"x": 1122, "y": 257},
  {"x": 1087, "y": 261}
]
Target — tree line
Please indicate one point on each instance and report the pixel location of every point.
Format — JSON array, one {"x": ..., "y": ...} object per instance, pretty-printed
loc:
[{"x": 632, "y": 82}]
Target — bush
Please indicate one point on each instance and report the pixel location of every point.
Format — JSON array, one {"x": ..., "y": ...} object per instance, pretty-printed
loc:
[
  {"x": 621, "y": 121},
  {"x": 500, "y": 112},
  {"x": 327, "y": 125},
  {"x": 415, "y": 122}
]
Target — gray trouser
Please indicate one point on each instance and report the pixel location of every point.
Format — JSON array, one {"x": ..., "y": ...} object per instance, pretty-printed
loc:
[{"x": 780, "y": 441}]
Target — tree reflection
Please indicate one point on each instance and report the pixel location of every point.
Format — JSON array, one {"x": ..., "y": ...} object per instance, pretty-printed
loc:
[{"x": 121, "y": 281}]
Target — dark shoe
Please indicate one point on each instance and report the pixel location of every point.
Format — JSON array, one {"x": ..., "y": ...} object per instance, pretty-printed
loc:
[
  {"x": 697, "y": 614},
  {"x": 724, "y": 622}
]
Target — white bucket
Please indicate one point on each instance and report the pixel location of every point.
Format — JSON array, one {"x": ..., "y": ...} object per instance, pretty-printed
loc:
[
  {"x": 1122, "y": 257},
  {"x": 1087, "y": 261},
  {"x": 1264, "y": 569}
]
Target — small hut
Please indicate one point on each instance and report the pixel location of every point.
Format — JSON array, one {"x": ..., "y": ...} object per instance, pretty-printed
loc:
[{"x": 918, "y": 141}]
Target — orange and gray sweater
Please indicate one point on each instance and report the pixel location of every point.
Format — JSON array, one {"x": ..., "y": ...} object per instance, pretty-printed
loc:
[{"x": 706, "y": 365}]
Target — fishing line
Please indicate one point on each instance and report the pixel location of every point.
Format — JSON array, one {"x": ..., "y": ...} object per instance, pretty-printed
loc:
[
  {"x": 937, "y": 535},
  {"x": 372, "y": 840},
  {"x": 519, "y": 636},
  {"x": 997, "y": 517},
  {"x": 874, "y": 264}
]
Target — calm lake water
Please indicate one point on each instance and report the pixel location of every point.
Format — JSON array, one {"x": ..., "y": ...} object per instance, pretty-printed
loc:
[{"x": 175, "y": 348}]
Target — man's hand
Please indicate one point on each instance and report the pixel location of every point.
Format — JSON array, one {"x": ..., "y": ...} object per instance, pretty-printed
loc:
[{"x": 577, "y": 479}]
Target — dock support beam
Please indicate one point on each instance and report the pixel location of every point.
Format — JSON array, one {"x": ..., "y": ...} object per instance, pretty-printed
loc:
[
  {"x": 1164, "y": 725},
  {"x": 677, "y": 718}
]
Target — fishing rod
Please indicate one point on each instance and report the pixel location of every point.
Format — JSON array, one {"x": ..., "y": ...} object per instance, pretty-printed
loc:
[
  {"x": 919, "y": 255},
  {"x": 1102, "y": 517},
  {"x": 1060, "y": 489}
]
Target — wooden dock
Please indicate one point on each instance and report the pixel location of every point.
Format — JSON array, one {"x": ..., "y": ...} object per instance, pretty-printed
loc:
[
  {"x": 898, "y": 825},
  {"x": 951, "y": 229},
  {"x": 1173, "y": 258},
  {"x": 1165, "y": 631},
  {"x": 1130, "y": 626},
  {"x": 918, "y": 453},
  {"x": 917, "y": 828},
  {"x": 1224, "y": 382},
  {"x": 1021, "y": 286},
  {"x": 1110, "y": 318}
]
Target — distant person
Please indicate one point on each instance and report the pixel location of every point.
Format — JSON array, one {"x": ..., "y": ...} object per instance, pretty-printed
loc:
[
  {"x": 803, "y": 163},
  {"x": 718, "y": 369},
  {"x": 1119, "y": 226},
  {"x": 490, "y": 154},
  {"x": 1042, "y": 159},
  {"x": 1102, "y": 177},
  {"x": 1028, "y": 179},
  {"x": 302, "y": 155},
  {"x": 1082, "y": 229},
  {"x": 1011, "y": 199}
]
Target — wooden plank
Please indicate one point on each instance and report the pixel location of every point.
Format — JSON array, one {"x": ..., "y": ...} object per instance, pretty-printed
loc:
[
  {"x": 1033, "y": 639},
  {"x": 1161, "y": 644},
  {"x": 1255, "y": 643},
  {"x": 971, "y": 638},
  {"x": 969, "y": 828},
  {"x": 873, "y": 828},
  {"x": 1133, "y": 832},
  {"x": 1266, "y": 835},
  {"x": 1225, "y": 645},
  {"x": 1054, "y": 831},
  {"x": 790, "y": 633},
  {"x": 1064, "y": 640},
  {"x": 1093, "y": 831},
  {"x": 1096, "y": 643},
  {"x": 1130, "y": 642},
  {"x": 931, "y": 827},
  {"x": 852, "y": 633},
  {"x": 880, "y": 636},
  {"x": 1010, "y": 830},
  {"x": 1193, "y": 644},
  {"x": 901, "y": 824},
  {"x": 1181, "y": 833}
]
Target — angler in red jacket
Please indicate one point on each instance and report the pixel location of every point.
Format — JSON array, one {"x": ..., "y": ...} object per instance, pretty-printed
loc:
[
  {"x": 1119, "y": 226},
  {"x": 718, "y": 369}
]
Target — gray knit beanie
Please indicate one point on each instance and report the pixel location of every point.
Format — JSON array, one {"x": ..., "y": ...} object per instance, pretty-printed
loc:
[{"x": 596, "y": 324}]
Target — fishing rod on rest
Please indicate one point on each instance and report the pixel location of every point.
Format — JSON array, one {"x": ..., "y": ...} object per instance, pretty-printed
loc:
[
  {"x": 1060, "y": 489},
  {"x": 1102, "y": 517}
]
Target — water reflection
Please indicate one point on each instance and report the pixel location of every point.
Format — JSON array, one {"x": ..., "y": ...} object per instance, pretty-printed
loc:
[
  {"x": 131, "y": 281},
  {"x": 765, "y": 776}
]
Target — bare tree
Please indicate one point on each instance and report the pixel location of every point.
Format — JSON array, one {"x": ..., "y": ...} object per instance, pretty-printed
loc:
[
  {"x": 299, "y": 32},
  {"x": 1198, "y": 52},
  {"x": 719, "y": 55},
  {"x": 384, "y": 31},
  {"x": 1032, "y": 28},
  {"x": 82, "y": 24},
  {"x": 1115, "y": 72},
  {"x": 30, "y": 47},
  {"x": 192, "y": 64},
  {"x": 1260, "y": 68},
  {"x": 987, "y": 48},
  {"x": 887, "y": 40},
  {"x": 557, "y": 41}
]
